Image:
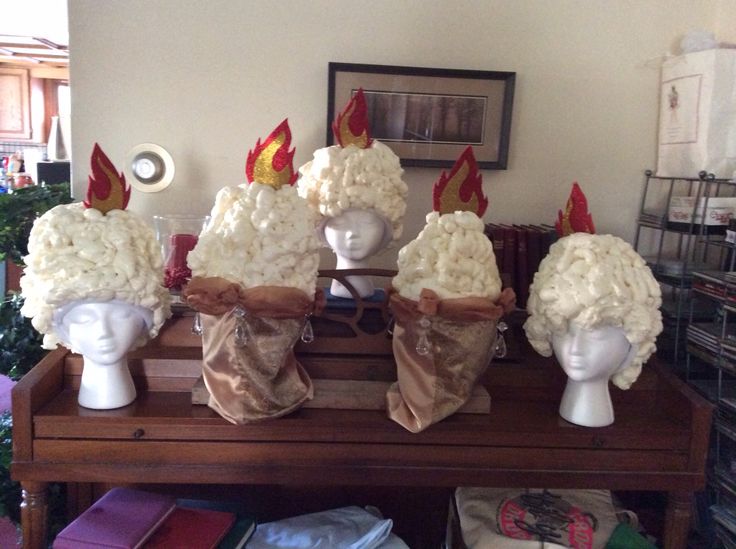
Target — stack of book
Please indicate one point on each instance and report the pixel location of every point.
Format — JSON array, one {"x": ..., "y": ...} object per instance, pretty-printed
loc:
[
  {"x": 129, "y": 519},
  {"x": 725, "y": 525},
  {"x": 519, "y": 249},
  {"x": 724, "y": 471},
  {"x": 718, "y": 284},
  {"x": 705, "y": 335},
  {"x": 676, "y": 268},
  {"x": 652, "y": 217}
]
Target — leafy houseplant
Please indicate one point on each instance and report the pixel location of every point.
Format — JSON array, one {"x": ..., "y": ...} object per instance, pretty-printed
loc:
[
  {"x": 20, "y": 343},
  {"x": 19, "y": 210},
  {"x": 20, "y": 350},
  {"x": 9, "y": 493},
  {"x": 10, "y": 490}
]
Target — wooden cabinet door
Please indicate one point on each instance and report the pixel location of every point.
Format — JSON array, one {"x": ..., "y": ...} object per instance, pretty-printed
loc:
[{"x": 15, "y": 117}]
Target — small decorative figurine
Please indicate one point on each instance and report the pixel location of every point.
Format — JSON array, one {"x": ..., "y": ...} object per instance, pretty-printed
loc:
[
  {"x": 93, "y": 282},
  {"x": 447, "y": 301},
  {"x": 356, "y": 188},
  {"x": 595, "y": 304},
  {"x": 255, "y": 275}
]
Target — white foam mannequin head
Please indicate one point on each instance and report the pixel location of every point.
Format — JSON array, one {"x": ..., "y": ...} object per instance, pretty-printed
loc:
[
  {"x": 103, "y": 332},
  {"x": 355, "y": 236},
  {"x": 590, "y": 357}
]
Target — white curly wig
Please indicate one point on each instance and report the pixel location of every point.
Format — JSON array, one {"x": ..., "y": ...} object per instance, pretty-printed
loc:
[
  {"x": 338, "y": 179},
  {"x": 79, "y": 254},
  {"x": 595, "y": 280}
]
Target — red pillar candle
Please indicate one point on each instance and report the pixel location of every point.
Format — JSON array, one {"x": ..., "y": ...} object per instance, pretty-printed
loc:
[{"x": 177, "y": 273}]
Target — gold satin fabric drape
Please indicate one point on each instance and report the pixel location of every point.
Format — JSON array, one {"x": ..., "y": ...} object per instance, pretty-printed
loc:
[
  {"x": 462, "y": 339},
  {"x": 261, "y": 379}
]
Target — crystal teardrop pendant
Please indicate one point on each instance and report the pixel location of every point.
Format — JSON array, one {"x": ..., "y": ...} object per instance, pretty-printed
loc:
[
  {"x": 307, "y": 331},
  {"x": 197, "y": 325},
  {"x": 390, "y": 326},
  {"x": 500, "y": 348},
  {"x": 241, "y": 338},
  {"x": 241, "y": 335},
  {"x": 423, "y": 345}
]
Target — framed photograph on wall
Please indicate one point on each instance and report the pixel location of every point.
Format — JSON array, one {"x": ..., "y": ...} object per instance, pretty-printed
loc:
[{"x": 429, "y": 116}]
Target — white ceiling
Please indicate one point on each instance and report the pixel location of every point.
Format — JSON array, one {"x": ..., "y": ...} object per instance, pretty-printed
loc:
[
  {"x": 41, "y": 18},
  {"x": 32, "y": 51}
]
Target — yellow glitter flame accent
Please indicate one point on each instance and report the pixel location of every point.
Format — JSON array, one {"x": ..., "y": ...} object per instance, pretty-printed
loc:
[{"x": 263, "y": 168}]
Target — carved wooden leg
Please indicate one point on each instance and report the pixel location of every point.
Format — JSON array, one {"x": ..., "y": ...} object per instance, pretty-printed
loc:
[
  {"x": 677, "y": 520},
  {"x": 34, "y": 514}
]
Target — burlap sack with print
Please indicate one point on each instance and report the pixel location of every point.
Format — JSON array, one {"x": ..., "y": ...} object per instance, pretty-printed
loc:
[
  {"x": 441, "y": 348},
  {"x": 248, "y": 338}
]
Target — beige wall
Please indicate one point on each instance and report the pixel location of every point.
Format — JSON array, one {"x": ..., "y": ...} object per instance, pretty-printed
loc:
[
  {"x": 206, "y": 79},
  {"x": 725, "y": 21}
]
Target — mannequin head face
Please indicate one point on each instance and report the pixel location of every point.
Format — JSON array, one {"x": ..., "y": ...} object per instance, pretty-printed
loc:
[
  {"x": 592, "y": 354},
  {"x": 357, "y": 234},
  {"x": 593, "y": 280},
  {"x": 102, "y": 332}
]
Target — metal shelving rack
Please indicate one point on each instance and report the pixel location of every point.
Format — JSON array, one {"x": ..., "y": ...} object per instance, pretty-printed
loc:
[
  {"x": 674, "y": 249},
  {"x": 693, "y": 263},
  {"x": 712, "y": 344}
]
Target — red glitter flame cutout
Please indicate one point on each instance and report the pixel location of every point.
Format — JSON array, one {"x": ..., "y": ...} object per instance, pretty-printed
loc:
[
  {"x": 462, "y": 190},
  {"x": 576, "y": 218},
  {"x": 271, "y": 163},
  {"x": 351, "y": 125},
  {"x": 107, "y": 189}
]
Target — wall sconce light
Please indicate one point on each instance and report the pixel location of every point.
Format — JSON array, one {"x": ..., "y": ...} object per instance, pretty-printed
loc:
[{"x": 149, "y": 167}]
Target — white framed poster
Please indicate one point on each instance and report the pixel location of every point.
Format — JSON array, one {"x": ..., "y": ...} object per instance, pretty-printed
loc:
[
  {"x": 697, "y": 115},
  {"x": 679, "y": 106}
]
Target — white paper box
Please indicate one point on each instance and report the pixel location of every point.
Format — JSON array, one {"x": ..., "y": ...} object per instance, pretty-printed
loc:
[
  {"x": 697, "y": 115},
  {"x": 719, "y": 212}
]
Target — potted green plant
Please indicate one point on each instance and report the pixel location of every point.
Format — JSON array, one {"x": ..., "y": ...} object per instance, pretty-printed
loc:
[
  {"x": 18, "y": 211},
  {"x": 20, "y": 344}
]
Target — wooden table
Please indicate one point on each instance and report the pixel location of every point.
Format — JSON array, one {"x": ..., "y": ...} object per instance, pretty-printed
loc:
[{"x": 658, "y": 442}]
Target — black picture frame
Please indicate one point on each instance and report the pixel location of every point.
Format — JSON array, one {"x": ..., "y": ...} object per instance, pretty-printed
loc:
[{"x": 443, "y": 111}]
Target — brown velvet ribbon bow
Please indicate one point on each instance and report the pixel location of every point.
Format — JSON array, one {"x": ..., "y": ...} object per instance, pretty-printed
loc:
[{"x": 216, "y": 296}]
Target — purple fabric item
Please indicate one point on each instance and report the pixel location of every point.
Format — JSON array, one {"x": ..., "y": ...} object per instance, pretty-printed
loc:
[
  {"x": 8, "y": 534},
  {"x": 123, "y": 518},
  {"x": 6, "y": 384}
]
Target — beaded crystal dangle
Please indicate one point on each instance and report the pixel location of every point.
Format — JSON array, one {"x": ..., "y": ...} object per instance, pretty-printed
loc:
[
  {"x": 423, "y": 347},
  {"x": 307, "y": 331},
  {"x": 390, "y": 326},
  {"x": 500, "y": 348},
  {"x": 197, "y": 328},
  {"x": 241, "y": 331}
]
